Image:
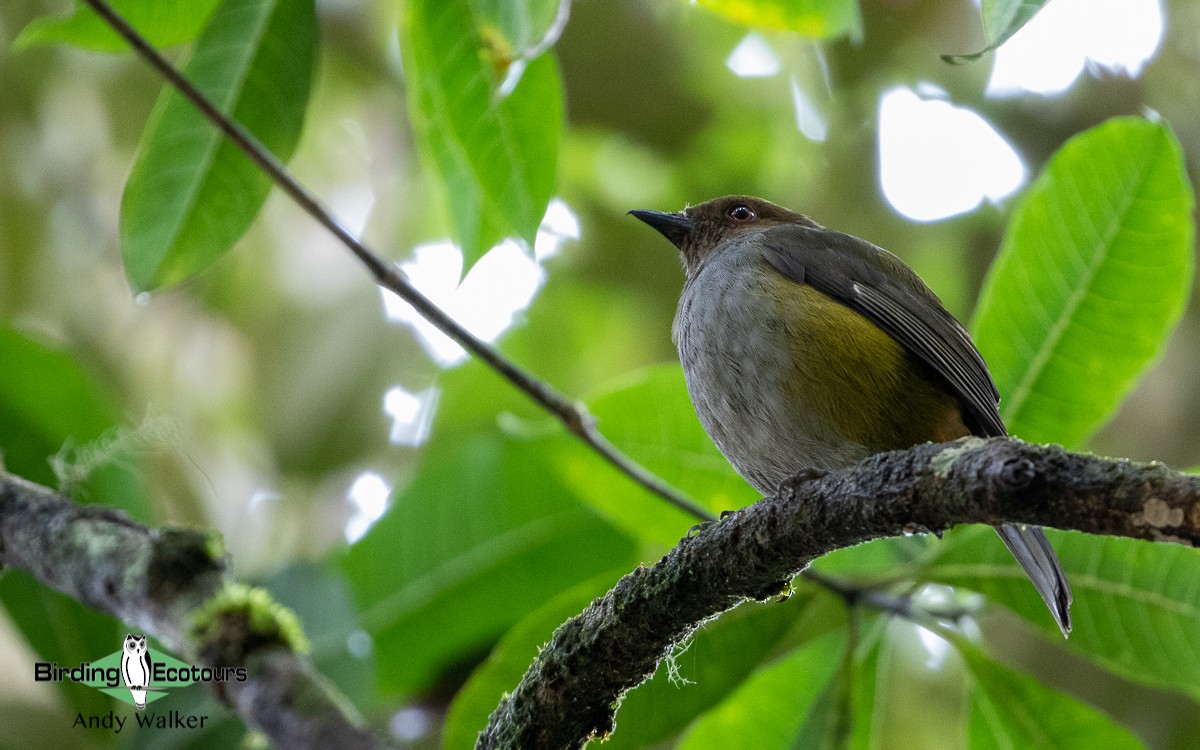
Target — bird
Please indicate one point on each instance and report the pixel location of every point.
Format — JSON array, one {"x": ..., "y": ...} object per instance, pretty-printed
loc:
[{"x": 804, "y": 348}]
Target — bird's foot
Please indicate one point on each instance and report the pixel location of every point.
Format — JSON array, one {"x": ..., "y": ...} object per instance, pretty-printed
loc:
[
  {"x": 787, "y": 488},
  {"x": 705, "y": 524}
]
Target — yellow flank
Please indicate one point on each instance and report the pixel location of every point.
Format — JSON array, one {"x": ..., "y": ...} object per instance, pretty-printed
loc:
[{"x": 856, "y": 378}]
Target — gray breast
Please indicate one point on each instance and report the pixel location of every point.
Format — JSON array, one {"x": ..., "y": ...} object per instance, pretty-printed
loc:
[{"x": 732, "y": 344}]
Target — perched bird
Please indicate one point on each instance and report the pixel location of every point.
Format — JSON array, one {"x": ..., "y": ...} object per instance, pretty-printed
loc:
[{"x": 803, "y": 347}]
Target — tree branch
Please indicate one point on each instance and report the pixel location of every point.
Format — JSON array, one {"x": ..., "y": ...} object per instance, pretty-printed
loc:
[
  {"x": 173, "y": 585},
  {"x": 570, "y": 693},
  {"x": 572, "y": 414}
]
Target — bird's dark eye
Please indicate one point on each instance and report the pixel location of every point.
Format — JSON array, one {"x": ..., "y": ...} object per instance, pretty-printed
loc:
[{"x": 742, "y": 213}]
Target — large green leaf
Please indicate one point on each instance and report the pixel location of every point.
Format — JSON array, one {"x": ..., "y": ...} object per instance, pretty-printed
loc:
[
  {"x": 1136, "y": 608},
  {"x": 495, "y": 154},
  {"x": 511, "y": 657},
  {"x": 1001, "y": 19},
  {"x": 46, "y": 401},
  {"x": 769, "y": 709},
  {"x": 648, "y": 415},
  {"x": 1012, "y": 710},
  {"x": 820, "y": 19},
  {"x": 1093, "y": 274},
  {"x": 163, "y": 22},
  {"x": 320, "y": 598},
  {"x": 192, "y": 193},
  {"x": 483, "y": 535},
  {"x": 816, "y": 695},
  {"x": 893, "y": 696},
  {"x": 717, "y": 660},
  {"x": 46, "y": 398},
  {"x": 933, "y": 692},
  {"x": 50, "y": 406},
  {"x": 920, "y": 692}
]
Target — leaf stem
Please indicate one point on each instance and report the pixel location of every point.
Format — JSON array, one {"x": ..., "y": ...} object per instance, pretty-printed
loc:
[{"x": 550, "y": 38}]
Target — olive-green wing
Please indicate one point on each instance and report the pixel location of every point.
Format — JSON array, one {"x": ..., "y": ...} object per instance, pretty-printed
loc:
[{"x": 877, "y": 285}]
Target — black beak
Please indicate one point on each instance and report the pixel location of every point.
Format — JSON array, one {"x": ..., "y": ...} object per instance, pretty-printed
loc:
[{"x": 675, "y": 227}]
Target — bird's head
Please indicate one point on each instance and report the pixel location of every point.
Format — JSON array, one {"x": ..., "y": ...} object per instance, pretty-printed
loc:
[{"x": 700, "y": 230}]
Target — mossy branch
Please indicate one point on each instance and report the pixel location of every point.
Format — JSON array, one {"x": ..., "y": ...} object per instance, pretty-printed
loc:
[
  {"x": 173, "y": 584},
  {"x": 571, "y": 692}
]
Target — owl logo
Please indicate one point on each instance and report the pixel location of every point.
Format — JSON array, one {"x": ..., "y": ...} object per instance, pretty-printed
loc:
[{"x": 135, "y": 667}]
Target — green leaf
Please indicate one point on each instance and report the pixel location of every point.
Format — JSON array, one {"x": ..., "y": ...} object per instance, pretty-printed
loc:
[
  {"x": 1012, "y": 710},
  {"x": 814, "y": 696},
  {"x": 320, "y": 598},
  {"x": 769, "y": 709},
  {"x": 716, "y": 660},
  {"x": 855, "y": 698},
  {"x": 484, "y": 534},
  {"x": 819, "y": 19},
  {"x": 511, "y": 657},
  {"x": 192, "y": 193},
  {"x": 648, "y": 415},
  {"x": 46, "y": 398},
  {"x": 1094, "y": 272},
  {"x": 51, "y": 408},
  {"x": 1001, "y": 19},
  {"x": 514, "y": 28},
  {"x": 874, "y": 560},
  {"x": 920, "y": 692},
  {"x": 495, "y": 155},
  {"x": 1136, "y": 604},
  {"x": 162, "y": 22}
]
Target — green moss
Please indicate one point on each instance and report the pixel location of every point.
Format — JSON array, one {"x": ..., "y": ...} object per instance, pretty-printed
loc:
[{"x": 268, "y": 620}]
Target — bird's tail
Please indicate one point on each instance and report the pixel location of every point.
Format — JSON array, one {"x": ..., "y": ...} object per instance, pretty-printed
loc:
[{"x": 1033, "y": 551}]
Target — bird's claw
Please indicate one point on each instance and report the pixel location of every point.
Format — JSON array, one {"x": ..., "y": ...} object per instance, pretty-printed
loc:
[{"x": 787, "y": 488}]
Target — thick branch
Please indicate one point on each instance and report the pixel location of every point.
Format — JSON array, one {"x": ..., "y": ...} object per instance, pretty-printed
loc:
[
  {"x": 172, "y": 584},
  {"x": 570, "y": 693}
]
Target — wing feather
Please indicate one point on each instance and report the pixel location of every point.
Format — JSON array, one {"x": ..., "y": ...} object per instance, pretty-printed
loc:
[{"x": 878, "y": 286}]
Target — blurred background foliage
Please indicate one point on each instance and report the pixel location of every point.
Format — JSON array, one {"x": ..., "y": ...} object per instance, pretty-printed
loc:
[{"x": 428, "y": 524}]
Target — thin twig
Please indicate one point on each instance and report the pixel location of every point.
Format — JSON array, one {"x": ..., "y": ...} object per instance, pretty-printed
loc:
[
  {"x": 573, "y": 414},
  {"x": 873, "y": 597}
]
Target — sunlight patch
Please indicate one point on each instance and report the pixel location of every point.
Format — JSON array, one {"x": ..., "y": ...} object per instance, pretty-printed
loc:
[
  {"x": 753, "y": 58},
  {"x": 501, "y": 284},
  {"x": 368, "y": 495},
  {"x": 937, "y": 160},
  {"x": 810, "y": 121},
  {"x": 1048, "y": 54},
  {"x": 411, "y": 414}
]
